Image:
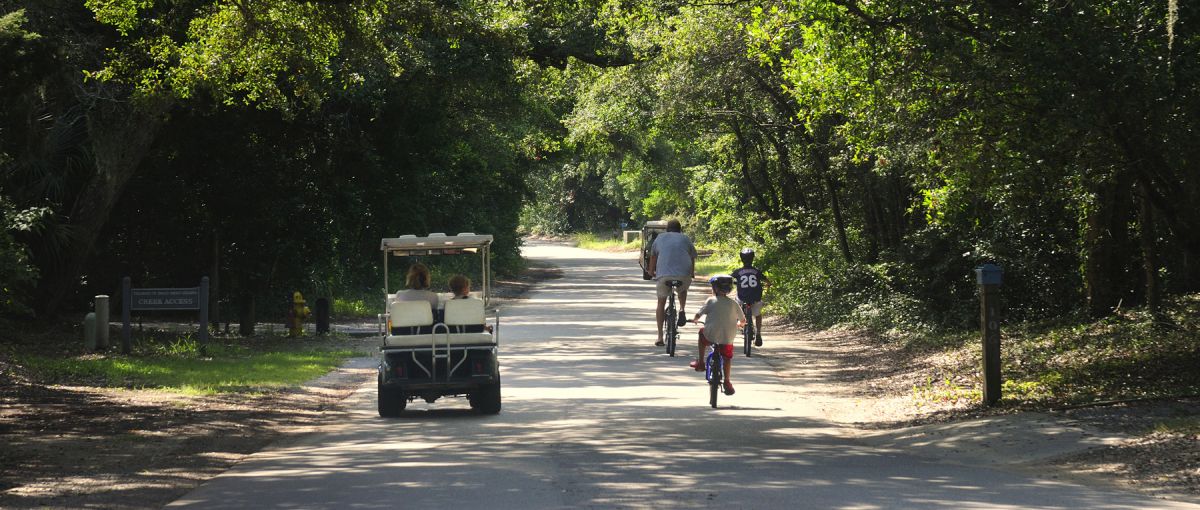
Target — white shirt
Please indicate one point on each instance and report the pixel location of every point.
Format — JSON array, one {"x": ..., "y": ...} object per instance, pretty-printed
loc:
[
  {"x": 418, "y": 295},
  {"x": 723, "y": 315}
]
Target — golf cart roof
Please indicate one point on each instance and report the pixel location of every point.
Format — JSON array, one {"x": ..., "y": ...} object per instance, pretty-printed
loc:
[
  {"x": 655, "y": 225},
  {"x": 435, "y": 243}
]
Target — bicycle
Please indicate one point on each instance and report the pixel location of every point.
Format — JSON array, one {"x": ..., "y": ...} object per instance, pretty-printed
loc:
[
  {"x": 672, "y": 335},
  {"x": 748, "y": 329},
  {"x": 714, "y": 371}
]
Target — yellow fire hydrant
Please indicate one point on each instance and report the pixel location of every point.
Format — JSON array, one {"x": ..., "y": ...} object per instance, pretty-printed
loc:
[{"x": 296, "y": 315}]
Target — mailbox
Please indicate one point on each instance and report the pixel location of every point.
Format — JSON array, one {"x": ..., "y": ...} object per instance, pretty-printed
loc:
[{"x": 989, "y": 274}]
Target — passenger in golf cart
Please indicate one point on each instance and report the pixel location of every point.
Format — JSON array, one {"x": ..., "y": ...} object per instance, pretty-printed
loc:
[
  {"x": 460, "y": 288},
  {"x": 454, "y": 354}
]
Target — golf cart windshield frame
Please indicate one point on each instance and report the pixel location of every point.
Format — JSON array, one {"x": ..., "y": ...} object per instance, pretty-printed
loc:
[{"x": 441, "y": 244}]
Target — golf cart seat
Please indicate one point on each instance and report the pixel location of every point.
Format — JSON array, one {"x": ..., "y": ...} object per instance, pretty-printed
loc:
[
  {"x": 464, "y": 318},
  {"x": 411, "y": 324}
]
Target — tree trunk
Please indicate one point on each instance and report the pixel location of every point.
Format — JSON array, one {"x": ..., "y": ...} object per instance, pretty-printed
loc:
[
  {"x": 214, "y": 274},
  {"x": 1172, "y": 195},
  {"x": 1148, "y": 236},
  {"x": 786, "y": 111},
  {"x": 873, "y": 221},
  {"x": 744, "y": 157},
  {"x": 120, "y": 135},
  {"x": 821, "y": 162},
  {"x": 838, "y": 221},
  {"x": 793, "y": 193},
  {"x": 1107, "y": 275},
  {"x": 246, "y": 320}
]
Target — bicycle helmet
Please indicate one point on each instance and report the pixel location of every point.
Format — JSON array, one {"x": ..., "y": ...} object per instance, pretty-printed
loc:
[
  {"x": 721, "y": 282},
  {"x": 747, "y": 255}
]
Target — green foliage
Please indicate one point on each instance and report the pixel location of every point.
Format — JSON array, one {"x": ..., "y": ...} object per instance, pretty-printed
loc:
[
  {"x": 1128, "y": 355},
  {"x": 357, "y": 309},
  {"x": 543, "y": 218},
  {"x": 1182, "y": 425},
  {"x": 874, "y": 152},
  {"x": 184, "y": 347},
  {"x": 946, "y": 390},
  {"x": 301, "y": 134},
  {"x": 1071, "y": 360},
  {"x": 879, "y": 152},
  {"x": 720, "y": 262},
  {"x": 19, "y": 52},
  {"x": 17, "y": 273},
  {"x": 590, "y": 241}
]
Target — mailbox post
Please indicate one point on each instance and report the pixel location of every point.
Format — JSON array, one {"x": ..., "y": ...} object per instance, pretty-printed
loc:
[
  {"x": 989, "y": 277},
  {"x": 322, "y": 316}
]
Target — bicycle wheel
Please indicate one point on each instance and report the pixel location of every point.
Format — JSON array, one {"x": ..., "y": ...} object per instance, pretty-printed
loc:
[
  {"x": 715, "y": 372},
  {"x": 672, "y": 329},
  {"x": 748, "y": 336}
]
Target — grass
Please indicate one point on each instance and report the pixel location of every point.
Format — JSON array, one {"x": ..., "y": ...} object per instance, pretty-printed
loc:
[
  {"x": 717, "y": 263},
  {"x": 179, "y": 364},
  {"x": 352, "y": 309},
  {"x": 591, "y": 241},
  {"x": 1189, "y": 425}
]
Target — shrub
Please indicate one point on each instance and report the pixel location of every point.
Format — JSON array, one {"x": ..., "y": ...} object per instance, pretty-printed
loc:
[{"x": 17, "y": 275}]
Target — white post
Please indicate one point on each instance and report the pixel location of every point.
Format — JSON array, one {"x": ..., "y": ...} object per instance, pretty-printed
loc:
[
  {"x": 89, "y": 332},
  {"x": 102, "y": 321}
]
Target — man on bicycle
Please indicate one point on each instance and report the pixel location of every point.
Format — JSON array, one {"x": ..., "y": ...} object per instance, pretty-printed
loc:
[
  {"x": 750, "y": 285},
  {"x": 672, "y": 257},
  {"x": 724, "y": 319}
]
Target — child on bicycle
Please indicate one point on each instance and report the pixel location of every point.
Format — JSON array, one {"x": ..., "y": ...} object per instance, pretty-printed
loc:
[
  {"x": 725, "y": 319},
  {"x": 751, "y": 283}
]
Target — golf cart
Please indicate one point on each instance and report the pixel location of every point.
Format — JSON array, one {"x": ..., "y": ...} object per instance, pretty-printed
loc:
[
  {"x": 431, "y": 354},
  {"x": 650, "y": 232}
]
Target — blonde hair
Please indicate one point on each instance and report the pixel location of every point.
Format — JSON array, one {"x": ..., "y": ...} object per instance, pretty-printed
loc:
[
  {"x": 418, "y": 277},
  {"x": 459, "y": 284}
]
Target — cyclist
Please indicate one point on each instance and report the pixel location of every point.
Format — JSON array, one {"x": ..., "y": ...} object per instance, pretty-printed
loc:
[
  {"x": 672, "y": 257},
  {"x": 725, "y": 319},
  {"x": 751, "y": 282}
]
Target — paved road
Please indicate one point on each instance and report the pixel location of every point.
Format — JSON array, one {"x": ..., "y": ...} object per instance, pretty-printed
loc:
[{"x": 594, "y": 417}]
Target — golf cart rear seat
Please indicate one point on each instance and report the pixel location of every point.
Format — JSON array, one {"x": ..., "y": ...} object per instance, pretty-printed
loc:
[{"x": 413, "y": 326}]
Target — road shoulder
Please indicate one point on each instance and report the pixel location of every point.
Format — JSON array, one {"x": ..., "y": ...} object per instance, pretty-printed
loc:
[{"x": 875, "y": 395}]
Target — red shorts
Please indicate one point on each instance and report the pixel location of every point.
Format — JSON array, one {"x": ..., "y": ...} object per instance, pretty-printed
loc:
[{"x": 726, "y": 350}]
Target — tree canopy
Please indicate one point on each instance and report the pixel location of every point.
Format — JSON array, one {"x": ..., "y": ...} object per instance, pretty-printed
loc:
[{"x": 874, "y": 152}]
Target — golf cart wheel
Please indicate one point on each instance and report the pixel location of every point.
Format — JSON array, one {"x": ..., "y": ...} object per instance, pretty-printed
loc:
[
  {"x": 486, "y": 400},
  {"x": 391, "y": 401}
]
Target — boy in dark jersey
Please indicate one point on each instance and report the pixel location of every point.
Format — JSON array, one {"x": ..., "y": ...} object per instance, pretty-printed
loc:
[{"x": 750, "y": 285}]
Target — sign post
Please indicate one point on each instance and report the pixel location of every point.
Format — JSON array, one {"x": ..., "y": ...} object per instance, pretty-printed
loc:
[
  {"x": 989, "y": 277},
  {"x": 126, "y": 304},
  {"x": 163, "y": 299}
]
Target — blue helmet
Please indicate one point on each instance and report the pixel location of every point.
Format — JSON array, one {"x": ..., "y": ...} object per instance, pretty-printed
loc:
[{"x": 721, "y": 282}]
